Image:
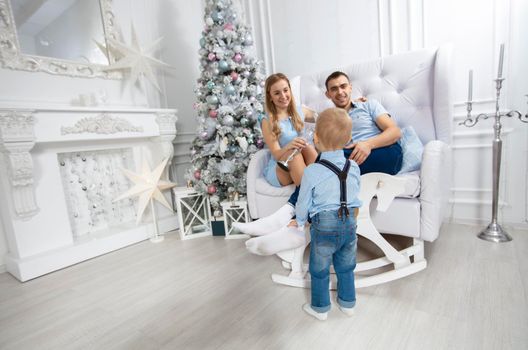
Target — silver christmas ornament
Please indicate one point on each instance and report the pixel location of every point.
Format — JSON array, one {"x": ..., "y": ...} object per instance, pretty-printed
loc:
[
  {"x": 223, "y": 65},
  {"x": 228, "y": 120},
  {"x": 217, "y": 16},
  {"x": 248, "y": 40},
  {"x": 230, "y": 90},
  {"x": 212, "y": 99}
]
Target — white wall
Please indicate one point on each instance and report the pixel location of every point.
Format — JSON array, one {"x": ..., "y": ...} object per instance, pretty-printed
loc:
[{"x": 312, "y": 35}]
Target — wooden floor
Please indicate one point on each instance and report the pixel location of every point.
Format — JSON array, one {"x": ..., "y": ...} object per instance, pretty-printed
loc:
[{"x": 210, "y": 293}]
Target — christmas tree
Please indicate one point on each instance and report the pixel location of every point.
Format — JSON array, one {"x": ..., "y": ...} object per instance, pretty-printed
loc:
[{"x": 229, "y": 106}]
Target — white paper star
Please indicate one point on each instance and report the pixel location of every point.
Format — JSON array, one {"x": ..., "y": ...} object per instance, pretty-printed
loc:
[
  {"x": 147, "y": 186},
  {"x": 137, "y": 60}
]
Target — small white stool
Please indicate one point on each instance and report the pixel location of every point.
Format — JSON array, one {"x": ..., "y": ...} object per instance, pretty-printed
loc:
[
  {"x": 234, "y": 211},
  {"x": 194, "y": 213}
]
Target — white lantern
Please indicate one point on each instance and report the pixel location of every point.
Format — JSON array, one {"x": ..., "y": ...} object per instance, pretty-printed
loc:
[{"x": 194, "y": 213}]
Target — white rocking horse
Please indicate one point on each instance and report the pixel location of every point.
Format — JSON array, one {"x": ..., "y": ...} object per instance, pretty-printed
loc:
[{"x": 385, "y": 187}]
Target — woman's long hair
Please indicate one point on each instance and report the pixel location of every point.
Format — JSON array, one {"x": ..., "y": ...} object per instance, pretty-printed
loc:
[{"x": 271, "y": 109}]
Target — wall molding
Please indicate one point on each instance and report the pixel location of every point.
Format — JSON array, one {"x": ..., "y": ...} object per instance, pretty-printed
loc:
[
  {"x": 392, "y": 29},
  {"x": 501, "y": 204},
  {"x": 17, "y": 139},
  {"x": 182, "y": 162},
  {"x": 469, "y": 189},
  {"x": 459, "y": 147},
  {"x": 259, "y": 20},
  {"x": 481, "y": 132}
]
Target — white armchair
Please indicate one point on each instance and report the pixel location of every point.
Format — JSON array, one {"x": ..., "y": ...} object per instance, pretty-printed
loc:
[{"x": 415, "y": 88}]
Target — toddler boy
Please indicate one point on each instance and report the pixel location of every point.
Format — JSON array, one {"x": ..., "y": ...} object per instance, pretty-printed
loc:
[{"x": 329, "y": 197}]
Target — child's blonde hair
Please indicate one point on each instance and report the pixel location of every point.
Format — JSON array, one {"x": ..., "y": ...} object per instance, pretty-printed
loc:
[{"x": 333, "y": 128}]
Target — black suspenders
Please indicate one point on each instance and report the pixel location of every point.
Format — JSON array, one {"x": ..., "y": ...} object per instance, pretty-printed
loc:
[{"x": 342, "y": 175}]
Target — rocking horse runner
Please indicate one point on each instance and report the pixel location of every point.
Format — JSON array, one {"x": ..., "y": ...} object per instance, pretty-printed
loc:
[{"x": 385, "y": 188}]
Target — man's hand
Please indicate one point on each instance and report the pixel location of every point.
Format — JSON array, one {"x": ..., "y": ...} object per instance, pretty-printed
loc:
[{"x": 361, "y": 151}]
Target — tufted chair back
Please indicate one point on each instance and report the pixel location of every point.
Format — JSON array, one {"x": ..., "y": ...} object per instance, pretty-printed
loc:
[
  {"x": 415, "y": 88},
  {"x": 408, "y": 85}
]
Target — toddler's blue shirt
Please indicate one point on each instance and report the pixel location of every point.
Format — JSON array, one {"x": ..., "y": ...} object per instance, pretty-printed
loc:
[{"x": 320, "y": 189}]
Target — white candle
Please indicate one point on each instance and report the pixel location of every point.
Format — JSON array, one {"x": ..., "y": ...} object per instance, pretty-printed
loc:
[
  {"x": 470, "y": 88},
  {"x": 501, "y": 59}
]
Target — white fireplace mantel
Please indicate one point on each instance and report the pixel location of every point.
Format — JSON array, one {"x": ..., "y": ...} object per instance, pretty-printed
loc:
[{"x": 34, "y": 208}]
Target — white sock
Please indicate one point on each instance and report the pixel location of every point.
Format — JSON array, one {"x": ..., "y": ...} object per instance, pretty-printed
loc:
[
  {"x": 349, "y": 311},
  {"x": 321, "y": 316},
  {"x": 267, "y": 224},
  {"x": 284, "y": 239}
]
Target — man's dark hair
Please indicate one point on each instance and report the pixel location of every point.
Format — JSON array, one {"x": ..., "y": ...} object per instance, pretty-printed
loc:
[{"x": 335, "y": 75}]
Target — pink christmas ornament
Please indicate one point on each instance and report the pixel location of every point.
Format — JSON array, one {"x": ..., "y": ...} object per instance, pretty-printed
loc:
[
  {"x": 213, "y": 113},
  {"x": 197, "y": 174},
  {"x": 228, "y": 26},
  {"x": 211, "y": 189},
  {"x": 234, "y": 75},
  {"x": 211, "y": 56},
  {"x": 238, "y": 57}
]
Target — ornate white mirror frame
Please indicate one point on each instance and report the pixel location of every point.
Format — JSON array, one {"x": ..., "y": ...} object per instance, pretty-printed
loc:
[{"x": 12, "y": 57}]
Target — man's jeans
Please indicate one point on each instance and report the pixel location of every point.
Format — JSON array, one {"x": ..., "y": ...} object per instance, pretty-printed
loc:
[
  {"x": 386, "y": 160},
  {"x": 333, "y": 239}
]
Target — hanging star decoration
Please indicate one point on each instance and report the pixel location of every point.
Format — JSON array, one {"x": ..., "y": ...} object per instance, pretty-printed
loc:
[
  {"x": 136, "y": 60},
  {"x": 147, "y": 186}
]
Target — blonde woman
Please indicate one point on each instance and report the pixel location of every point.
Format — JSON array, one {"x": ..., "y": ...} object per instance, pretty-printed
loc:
[{"x": 282, "y": 130}]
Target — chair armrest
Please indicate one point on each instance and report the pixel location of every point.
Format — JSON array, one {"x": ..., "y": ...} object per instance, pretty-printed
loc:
[
  {"x": 435, "y": 179},
  {"x": 255, "y": 168}
]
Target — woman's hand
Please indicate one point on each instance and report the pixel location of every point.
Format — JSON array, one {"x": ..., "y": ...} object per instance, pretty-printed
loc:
[
  {"x": 361, "y": 99},
  {"x": 296, "y": 143}
]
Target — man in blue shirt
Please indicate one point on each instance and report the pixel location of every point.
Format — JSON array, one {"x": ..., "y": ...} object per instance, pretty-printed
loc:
[{"x": 375, "y": 135}]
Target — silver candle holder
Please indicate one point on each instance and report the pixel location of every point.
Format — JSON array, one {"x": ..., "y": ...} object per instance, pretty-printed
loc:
[{"x": 493, "y": 232}]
